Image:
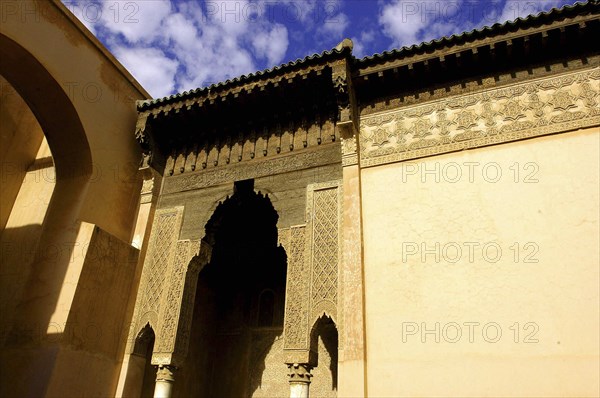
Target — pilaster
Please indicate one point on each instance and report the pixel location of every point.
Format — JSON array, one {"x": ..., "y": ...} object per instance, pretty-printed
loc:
[{"x": 352, "y": 352}]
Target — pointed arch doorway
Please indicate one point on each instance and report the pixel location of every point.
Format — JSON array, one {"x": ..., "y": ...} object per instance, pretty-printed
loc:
[{"x": 237, "y": 326}]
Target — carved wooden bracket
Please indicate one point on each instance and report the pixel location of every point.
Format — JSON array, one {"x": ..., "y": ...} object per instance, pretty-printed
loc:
[{"x": 348, "y": 116}]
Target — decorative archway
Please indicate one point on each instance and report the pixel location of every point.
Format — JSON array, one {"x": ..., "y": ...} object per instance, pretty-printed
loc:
[{"x": 239, "y": 303}]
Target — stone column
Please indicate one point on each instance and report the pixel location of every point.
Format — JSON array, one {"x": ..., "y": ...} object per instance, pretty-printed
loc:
[
  {"x": 300, "y": 375},
  {"x": 164, "y": 381}
]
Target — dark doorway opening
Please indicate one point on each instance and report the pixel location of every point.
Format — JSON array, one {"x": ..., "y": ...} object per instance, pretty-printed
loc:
[{"x": 240, "y": 298}]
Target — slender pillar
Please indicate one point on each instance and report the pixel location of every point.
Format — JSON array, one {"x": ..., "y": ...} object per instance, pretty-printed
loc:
[
  {"x": 300, "y": 375},
  {"x": 164, "y": 381}
]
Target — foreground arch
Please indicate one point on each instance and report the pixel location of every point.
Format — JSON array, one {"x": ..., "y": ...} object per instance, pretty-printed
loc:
[{"x": 79, "y": 269}]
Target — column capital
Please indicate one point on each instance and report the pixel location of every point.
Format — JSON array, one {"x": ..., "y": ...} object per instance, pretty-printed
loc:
[
  {"x": 299, "y": 373},
  {"x": 164, "y": 381},
  {"x": 165, "y": 373}
]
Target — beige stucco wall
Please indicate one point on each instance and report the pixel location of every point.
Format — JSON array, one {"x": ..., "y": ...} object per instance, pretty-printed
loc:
[
  {"x": 20, "y": 237},
  {"x": 70, "y": 271},
  {"x": 103, "y": 95},
  {"x": 550, "y": 293},
  {"x": 20, "y": 139},
  {"x": 77, "y": 352}
]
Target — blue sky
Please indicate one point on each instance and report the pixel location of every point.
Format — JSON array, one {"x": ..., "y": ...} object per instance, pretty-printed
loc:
[{"x": 176, "y": 45}]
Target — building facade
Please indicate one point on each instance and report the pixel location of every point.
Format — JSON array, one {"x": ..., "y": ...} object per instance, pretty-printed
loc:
[{"x": 422, "y": 222}]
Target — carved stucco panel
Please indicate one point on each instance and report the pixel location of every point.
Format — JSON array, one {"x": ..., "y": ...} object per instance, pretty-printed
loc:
[
  {"x": 314, "y": 253},
  {"x": 529, "y": 109},
  {"x": 324, "y": 222},
  {"x": 201, "y": 252},
  {"x": 297, "y": 294},
  {"x": 172, "y": 305},
  {"x": 267, "y": 374},
  {"x": 159, "y": 256}
]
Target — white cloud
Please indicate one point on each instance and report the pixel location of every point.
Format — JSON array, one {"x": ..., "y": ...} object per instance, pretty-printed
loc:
[
  {"x": 409, "y": 22},
  {"x": 180, "y": 30},
  {"x": 151, "y": 67},
  {"x": 334, "y": 27},
  {"x": 137, "y": 21},
  {"x": 360, "y": 43},
  {"x": 438, "y": 30},
  {"x": 271, "y": 44},
  {"x": 180, "y": 45},
  {"x": 175, "y": 46},
  {"x": 296, "y": 10},
  {"x": 399, "y": 24}
]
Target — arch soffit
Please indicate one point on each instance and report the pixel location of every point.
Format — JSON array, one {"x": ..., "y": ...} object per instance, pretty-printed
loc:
[{"x": 51, "y": 106}]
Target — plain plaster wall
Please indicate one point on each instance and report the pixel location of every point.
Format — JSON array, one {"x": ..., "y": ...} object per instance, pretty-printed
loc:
[{"x": 549, "y": 294}]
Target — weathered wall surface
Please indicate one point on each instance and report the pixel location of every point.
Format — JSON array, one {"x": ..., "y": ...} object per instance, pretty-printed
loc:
[
  {"x": 96, "y": 325},
  {"x": 481, "y": 271}
]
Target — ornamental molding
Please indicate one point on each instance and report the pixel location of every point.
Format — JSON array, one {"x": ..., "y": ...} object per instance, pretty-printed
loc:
[
  {"x": 325, "y": 155},
  {"x": 525, "y": 110},
  {"x": 172, "y": 301},
  {"x": 349, "y": 151}
]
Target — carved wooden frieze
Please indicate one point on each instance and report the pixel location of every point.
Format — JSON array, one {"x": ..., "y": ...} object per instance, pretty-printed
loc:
[
  {"x": 530, "y": 109},
  {"x": 273, "y": 139},
  {"x": 325, "y": 155},
  {"x": 227, "y": 89}
]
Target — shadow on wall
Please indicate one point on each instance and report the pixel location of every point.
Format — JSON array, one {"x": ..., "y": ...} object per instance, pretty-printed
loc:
[
  {"x": 96, "y": 276},
  {"x": 324, "y": 341},
  {"x": 17, "y": 253}
]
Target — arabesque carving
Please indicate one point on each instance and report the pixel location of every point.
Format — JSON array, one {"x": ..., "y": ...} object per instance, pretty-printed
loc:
[
  {"x": 530, "y": 109},
  {"x": 323, "y": 204},
  {"x": 313, "y": 268},
  {"x": 297, "y": 299},
  {"x": 161, "y": 251},
  {"x": 177, "y": 305},
  {"x": 163, "y": 240}
]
